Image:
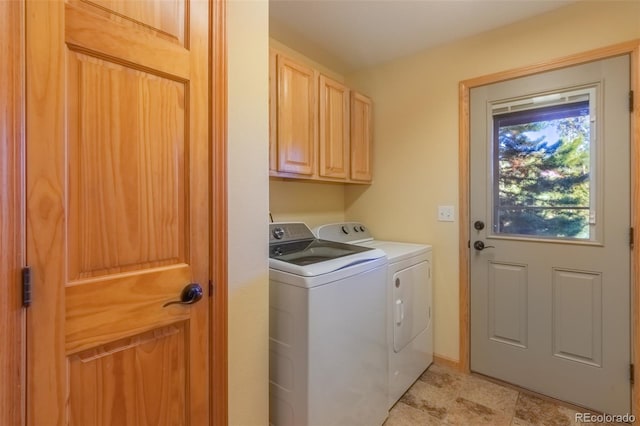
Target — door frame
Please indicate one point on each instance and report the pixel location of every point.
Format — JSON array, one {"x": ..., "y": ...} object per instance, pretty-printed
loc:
[
  {"x": 218, "y": 315},
  {"x": 632, "y": 48},
  {"x": 12, "y": 247}
]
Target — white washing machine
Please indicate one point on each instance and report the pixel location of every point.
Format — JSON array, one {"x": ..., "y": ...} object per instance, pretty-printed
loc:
[
  {"x": 327, "y": 331},
  {"x": 409, "y": 306}
]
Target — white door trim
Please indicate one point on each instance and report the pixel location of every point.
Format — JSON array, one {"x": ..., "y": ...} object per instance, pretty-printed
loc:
[{"x": 631, "y": 48}]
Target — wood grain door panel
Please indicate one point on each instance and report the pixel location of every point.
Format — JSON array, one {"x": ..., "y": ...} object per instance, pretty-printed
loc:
[
  {"x": 125, "y": 40},
  {"x": 128, "y": 192},
  {"x": 118, "y": 218},
  {"x": 361, "y": 169},
  {"x": 134, "y": 381},
  {"x": 296, "y": 122},
  {"x": 334, "y": 129},
  {"x": 165, "y": 18},
  {"x": 101, "y": 310}
]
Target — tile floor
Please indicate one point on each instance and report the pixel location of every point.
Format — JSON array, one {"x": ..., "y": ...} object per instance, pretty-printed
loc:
[{"x": 443, "y": 396}]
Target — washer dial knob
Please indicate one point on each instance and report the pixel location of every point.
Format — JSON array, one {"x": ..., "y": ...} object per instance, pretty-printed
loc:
[{"x": 278, "y": 233}]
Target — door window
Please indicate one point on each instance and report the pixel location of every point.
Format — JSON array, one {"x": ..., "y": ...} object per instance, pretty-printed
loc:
[{"x": 544, "y": 166}]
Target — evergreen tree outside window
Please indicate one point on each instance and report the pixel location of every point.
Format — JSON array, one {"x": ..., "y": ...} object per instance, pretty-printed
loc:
[{"x": 542, "y": 172}]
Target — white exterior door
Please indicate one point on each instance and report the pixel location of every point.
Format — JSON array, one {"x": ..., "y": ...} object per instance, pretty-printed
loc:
[{"x": 550, "y": 203}]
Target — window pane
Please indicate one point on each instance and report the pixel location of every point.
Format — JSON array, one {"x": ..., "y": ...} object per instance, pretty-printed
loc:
[{"x": 542, "y": 172}]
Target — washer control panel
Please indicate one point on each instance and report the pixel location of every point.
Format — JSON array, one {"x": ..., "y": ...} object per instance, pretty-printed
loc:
[{"x": 285, "y": 232}]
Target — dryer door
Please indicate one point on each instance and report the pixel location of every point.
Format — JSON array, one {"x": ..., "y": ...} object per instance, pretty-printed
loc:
[{"x": 410, "y": 304}]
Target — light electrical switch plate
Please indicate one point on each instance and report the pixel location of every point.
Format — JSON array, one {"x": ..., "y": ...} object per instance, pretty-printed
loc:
[{"x": 445, "y": 214}]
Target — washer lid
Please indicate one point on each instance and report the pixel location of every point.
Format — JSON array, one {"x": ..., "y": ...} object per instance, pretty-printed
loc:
[{"x": 317, "y": 257}]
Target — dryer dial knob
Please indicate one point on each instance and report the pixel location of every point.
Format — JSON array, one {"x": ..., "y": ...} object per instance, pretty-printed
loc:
[
  {"x": 278, "y": 233},
  {"x": 345, "y": 230}
]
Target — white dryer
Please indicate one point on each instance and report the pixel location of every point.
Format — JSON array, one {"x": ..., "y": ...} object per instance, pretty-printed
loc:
[{"x": 409, "y": 303}]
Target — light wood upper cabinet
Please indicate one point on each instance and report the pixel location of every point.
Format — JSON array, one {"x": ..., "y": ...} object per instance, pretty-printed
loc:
[
  {"x": 361, "y": 139},
  {"x": 311, "y": 128},
  {"x": 334, "y": 129},
  {"x": 296, "y": 117}
]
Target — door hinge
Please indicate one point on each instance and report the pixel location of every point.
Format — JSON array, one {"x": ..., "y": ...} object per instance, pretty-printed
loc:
[
  {"x": 631, "y": 373},
  {"x": 631, "y": 237},
  {"x": 210, "y": 288},
  {"x": 630, "y": 100},
  {"x": 26, "y": 286}
]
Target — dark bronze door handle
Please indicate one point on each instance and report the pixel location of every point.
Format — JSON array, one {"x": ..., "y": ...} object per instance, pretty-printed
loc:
[
  {"x": 479, "y": 245},
  {"x": 190, "y": 295}
]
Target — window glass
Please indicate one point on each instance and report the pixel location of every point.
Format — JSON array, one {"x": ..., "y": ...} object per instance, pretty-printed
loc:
[{"x": 542, "y": 173}]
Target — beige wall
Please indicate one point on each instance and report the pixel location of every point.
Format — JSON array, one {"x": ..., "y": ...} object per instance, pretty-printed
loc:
[
  {"x": 248, "y": 141},
  {"x": 314, "y": 203},
  {"x": 296, "y": 42},
  {"x": 416, "y": 130}
]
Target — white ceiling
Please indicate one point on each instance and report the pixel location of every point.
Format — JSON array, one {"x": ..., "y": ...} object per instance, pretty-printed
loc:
[{"x": 363, "y": 33}]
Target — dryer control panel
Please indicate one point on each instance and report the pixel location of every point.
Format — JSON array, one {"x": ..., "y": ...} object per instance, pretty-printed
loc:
[{"x": 347, "y": 232}]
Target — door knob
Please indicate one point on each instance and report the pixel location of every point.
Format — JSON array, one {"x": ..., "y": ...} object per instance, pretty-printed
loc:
[
  {"x": 479, "y": 245},
  {"x": 479, "y": 225},
  {"x": 190, "y": 295}
]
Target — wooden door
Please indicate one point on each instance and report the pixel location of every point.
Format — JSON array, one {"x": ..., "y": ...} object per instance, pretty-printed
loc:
[
  {"x": 117, "y": 211},
  {"x": 360, "y": 138},
  {"x": 334, "y": 129},
  {"x": 296, "y": 119}
]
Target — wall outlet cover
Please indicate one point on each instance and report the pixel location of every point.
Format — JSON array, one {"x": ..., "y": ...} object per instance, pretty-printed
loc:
[{"x": 446, "y": 214}]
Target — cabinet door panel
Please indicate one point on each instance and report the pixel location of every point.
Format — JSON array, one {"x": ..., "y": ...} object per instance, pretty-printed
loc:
[
  {"x": 334, "y": 129},
  {"x": 273, "y": 108},
  {"x": 296, "y": 120},
  {"x": 360, "y": 138}
]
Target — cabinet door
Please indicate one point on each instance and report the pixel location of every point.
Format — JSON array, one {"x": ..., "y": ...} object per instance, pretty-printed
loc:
[
  {"x": 360, "y": 138},
  {"x": 273, "y": 109},
  {"x": 296, "y": 121},
  {"x": 334, "y": 129}
]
